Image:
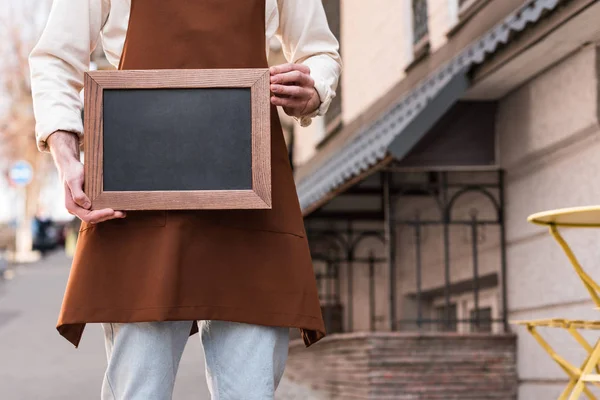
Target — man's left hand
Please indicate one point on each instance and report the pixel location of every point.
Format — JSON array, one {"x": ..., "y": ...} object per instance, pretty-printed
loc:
[{"x": 294, "y": 89}]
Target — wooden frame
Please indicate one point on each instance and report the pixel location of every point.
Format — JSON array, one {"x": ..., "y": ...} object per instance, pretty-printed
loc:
[{"x": 258, "y": 80}]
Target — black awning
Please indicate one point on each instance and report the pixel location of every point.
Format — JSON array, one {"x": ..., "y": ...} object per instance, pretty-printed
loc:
[
  {"x": 425, "y": 120},
  {"x": 464, "y": 136}
]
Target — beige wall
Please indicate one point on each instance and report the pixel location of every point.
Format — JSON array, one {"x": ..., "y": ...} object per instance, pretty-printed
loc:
[
  {"x": 307, "y": 139},
  {"x": 441, "y": 18},
  {"x": 376, "y": 45},
  {"x": 374, "y": 49},
  {"x": 549, "y": 139},
  {"x": 549, "y": 145}
]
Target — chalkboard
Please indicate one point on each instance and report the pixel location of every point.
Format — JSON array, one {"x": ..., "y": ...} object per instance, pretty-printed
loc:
[{"x": 178, "y": 139}]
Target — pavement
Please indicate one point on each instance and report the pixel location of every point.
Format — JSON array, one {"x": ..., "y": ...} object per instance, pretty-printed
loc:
[{"x": 36, "y": 363}]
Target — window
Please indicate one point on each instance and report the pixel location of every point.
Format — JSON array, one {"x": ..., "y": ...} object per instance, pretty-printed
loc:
[
  {"x": 420, "y": 32},
  {"x": 334, "y": 114},
  {"x": 482, "y": 320},
  {"x": 420, "y": 21},
  {"x": 462, "y": 316},
  {"x": 489, "y": 312},
  {"x": 447, "y": 317}
]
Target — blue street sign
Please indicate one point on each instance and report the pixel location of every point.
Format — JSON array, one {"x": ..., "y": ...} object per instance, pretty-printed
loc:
[{"x": 20, "y": 173}]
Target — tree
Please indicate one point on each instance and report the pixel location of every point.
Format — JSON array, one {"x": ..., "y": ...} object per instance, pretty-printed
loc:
[{"x": 21, "y": 24}]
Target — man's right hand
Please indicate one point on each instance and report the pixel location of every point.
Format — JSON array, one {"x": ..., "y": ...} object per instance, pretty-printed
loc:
[{"x": 64, "y": 147}]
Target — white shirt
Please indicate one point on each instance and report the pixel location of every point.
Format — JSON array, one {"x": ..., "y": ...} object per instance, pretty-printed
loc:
[{"x": 62, "y": 55}]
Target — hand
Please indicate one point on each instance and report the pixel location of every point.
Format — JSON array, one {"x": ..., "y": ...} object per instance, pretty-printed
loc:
[
  {"x": 294, "y": 89},
  {"x": 64, "y": 147}
]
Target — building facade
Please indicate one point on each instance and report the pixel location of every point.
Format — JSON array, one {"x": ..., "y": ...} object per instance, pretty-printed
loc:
[{"x": 455, "y": 120}]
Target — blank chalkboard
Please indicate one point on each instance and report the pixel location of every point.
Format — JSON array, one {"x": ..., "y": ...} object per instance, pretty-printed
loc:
[{"x": 178, "y": 139}]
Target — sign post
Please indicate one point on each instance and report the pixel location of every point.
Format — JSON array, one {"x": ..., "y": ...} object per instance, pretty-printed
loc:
[{"x": 21, "y": 175}]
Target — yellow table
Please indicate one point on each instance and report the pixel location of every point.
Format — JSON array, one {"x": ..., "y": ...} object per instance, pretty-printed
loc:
[{"x": 578, "y": 217}]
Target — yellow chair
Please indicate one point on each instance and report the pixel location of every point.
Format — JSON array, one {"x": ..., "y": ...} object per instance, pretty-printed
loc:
[{"x": 574, "y": 373}]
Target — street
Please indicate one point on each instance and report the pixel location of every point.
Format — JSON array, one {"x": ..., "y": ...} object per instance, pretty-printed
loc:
[{"x": 36, "y": 363}]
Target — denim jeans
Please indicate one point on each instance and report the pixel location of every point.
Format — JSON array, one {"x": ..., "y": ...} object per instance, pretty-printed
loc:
[{"x": 243, "y": 362}]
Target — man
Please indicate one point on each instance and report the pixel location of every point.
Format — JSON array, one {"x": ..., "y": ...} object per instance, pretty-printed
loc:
[{"x": 246, "y": 275}]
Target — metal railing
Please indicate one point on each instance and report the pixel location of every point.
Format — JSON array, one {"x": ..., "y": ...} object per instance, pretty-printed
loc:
[{"x": 365, "y": 251}]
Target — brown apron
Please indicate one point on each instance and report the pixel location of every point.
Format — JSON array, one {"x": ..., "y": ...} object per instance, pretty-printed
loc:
[{"x": 250, "y": 266}]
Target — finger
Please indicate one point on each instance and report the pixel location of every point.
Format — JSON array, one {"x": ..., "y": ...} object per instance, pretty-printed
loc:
[
  {"x": 295, "y": 78},
  {"x": 97, "y": 216},
  {"x": 107, "y": 218},
  {"x": 291, "y": 91},
  {"x": 93, "y": 217},
  {"x": 104, "y": 215},
  {"x": 283, "y": 68},
  {"x": 85, "y": 214},
  {"x": 79, "y": 197},
  {"x": 288, "y": 102}
]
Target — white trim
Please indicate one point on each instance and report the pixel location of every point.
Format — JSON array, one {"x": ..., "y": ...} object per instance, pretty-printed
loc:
[
  {"x": 453, "y": 13},
  {"x": 409, "y": 53}
]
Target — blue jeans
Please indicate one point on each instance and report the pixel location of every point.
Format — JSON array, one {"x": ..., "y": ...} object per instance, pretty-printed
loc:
[{"x": 242, "y": 361}]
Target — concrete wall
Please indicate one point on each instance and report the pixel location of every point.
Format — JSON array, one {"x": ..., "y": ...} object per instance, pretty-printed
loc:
[{"x": 549, "y": 145}]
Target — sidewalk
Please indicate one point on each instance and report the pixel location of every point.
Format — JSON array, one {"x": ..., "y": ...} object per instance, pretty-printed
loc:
[{"x": 36, "y": 363}]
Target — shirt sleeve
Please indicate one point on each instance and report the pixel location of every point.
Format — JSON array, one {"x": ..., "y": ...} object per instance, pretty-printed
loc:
[
  {"x": 58, "y": 62},
  {"x": 306, "y": 38}
]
